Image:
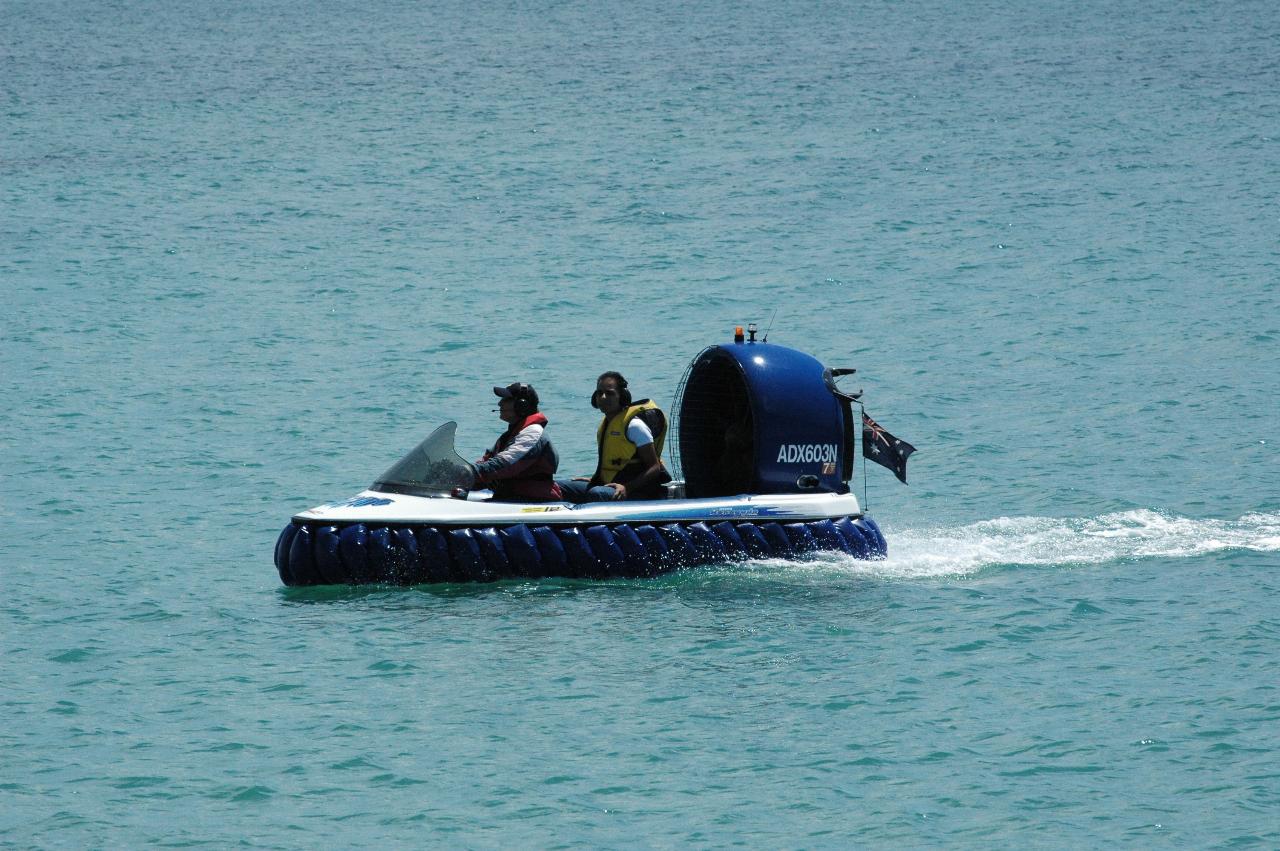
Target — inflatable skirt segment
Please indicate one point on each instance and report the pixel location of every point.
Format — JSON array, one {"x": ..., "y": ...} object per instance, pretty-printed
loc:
[{"x": 356, "y": 554}]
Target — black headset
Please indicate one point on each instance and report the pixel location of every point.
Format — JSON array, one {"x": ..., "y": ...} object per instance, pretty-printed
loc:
[
  {"x": 524, "y": 405},
  {"x": 624, "y": 395}
]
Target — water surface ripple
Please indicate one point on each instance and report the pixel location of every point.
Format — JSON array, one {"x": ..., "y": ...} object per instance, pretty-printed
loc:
[{"x": 252, "y": 254}]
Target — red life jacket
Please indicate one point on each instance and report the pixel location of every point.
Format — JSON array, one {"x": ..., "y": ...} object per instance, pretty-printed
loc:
[{"x": 531, "y": 478}]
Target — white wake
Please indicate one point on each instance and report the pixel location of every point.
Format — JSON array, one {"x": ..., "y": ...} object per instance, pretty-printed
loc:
[{"x": 1048, "y": 541}]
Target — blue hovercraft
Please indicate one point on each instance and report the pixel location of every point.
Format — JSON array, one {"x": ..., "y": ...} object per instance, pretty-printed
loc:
[{"x": 763, "y": 441}]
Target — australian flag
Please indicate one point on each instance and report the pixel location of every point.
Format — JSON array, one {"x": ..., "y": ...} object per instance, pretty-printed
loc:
[{"x": 885, "y": 449}]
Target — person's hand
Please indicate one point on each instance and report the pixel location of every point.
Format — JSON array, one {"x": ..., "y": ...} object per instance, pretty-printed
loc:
[{"x": 619, "y": 491}]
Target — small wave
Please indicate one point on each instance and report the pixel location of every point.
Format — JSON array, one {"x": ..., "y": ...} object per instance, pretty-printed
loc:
[{"x": 1049, "y": 541}]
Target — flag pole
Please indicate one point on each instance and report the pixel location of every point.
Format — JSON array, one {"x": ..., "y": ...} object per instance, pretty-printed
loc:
[{"x": 865, "y": 504}]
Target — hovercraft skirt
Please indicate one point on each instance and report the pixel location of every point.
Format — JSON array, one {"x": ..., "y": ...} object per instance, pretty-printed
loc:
[{"x": 310, "y": 553}]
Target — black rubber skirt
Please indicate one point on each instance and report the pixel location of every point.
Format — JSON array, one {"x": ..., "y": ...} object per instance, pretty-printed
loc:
[{"x": 358, "y": 554}]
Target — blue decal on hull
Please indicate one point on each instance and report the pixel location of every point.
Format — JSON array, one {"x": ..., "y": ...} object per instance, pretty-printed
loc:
[{"x": 358, "y": 502}]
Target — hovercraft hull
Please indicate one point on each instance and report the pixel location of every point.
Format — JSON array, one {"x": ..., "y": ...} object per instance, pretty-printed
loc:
[{"x": 407, "y": 540}]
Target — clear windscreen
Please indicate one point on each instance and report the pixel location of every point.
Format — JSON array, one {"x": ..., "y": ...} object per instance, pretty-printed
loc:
[{"x": 433, "y": 468}]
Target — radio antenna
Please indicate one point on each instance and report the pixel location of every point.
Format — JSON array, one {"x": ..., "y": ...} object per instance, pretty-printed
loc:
[{"x": 770, "y": 325}]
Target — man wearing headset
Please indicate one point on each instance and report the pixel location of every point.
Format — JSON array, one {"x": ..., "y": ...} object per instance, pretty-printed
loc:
[
  {"x": 629, "y": 441},
  {"x": 522, "y": 464}
]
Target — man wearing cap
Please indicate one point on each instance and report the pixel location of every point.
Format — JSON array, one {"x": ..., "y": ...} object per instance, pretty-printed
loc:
[{"x": 522, "y": 464}]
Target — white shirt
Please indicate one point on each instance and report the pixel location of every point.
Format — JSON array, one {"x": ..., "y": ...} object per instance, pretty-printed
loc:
[{"x": 639, "y": 433}]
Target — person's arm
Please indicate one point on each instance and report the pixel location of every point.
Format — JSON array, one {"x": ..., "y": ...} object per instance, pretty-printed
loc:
[{"x": 513, "y": 460}]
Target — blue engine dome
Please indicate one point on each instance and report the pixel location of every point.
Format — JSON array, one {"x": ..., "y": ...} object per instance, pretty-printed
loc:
[{"x": 762, "y": 418}]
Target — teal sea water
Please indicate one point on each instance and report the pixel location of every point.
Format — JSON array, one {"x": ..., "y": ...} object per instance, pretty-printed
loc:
[{"x": 251, "y": 253}]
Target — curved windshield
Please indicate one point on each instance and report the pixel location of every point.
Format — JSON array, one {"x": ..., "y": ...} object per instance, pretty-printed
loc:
[{"x": 433, "y": 468}]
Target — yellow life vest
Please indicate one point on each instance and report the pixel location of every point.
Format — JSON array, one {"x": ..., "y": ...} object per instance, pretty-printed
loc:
[{"x": 618, "y": 461}]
